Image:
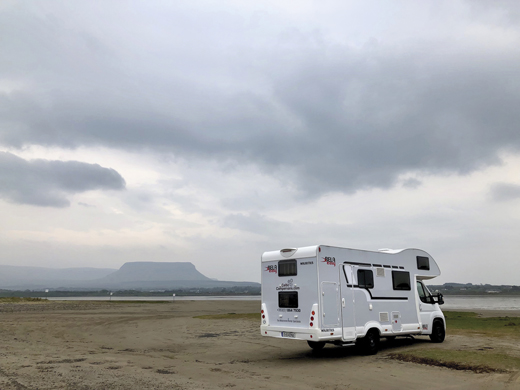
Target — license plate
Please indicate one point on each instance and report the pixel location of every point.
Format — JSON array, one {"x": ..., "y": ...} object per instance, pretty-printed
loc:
[{"x": 289, "y": 334}]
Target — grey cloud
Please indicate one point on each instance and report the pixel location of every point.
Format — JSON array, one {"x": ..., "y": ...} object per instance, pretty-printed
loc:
[
  {"x": 502, "y": 192},
  {"x": 411, "y": 183},
  {"x": 321, "y": 116},
  {"x": 47, "y": 183}
]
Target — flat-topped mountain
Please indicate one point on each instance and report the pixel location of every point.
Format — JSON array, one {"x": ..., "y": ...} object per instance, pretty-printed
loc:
[
  {"x": 146, "y": 271},
  {"x": 132, "y": 275}
]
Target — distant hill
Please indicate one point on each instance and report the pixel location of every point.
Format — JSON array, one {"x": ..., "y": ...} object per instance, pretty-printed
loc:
[
  {"x": 475, "y": 289},
  {"x": 133, "y": 275},
  {"x": 18, "y": 277}
]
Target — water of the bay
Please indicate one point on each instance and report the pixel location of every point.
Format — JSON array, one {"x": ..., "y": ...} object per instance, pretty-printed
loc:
[
  {"x": 481, "y": 302},
  {"x": 163, "y": 298},
  {"x": 451, "y": 302}
]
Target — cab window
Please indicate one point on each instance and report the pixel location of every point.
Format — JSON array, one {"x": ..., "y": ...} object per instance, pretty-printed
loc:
[{"x": 424, "y": 294}]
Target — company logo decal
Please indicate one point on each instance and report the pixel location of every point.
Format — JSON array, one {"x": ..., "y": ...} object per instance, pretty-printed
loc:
[
  {"x": 329, "y": 260},
  {"x": 425, "y": 327},
  {"x": 307, "y": 262},
  {"x": 271, "y": 268},
  {"x": 287, "y": 286}
]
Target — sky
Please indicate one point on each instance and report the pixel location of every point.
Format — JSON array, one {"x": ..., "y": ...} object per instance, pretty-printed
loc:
[{"x": 213, "y": 131}]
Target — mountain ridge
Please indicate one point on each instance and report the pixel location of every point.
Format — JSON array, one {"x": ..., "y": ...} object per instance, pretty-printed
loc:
[{"x": 131, "y": 275}]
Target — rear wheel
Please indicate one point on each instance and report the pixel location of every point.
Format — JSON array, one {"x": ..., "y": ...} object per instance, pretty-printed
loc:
[
  {"x": 438, "y": 333},
  {"x": 370, "y": 343},
  {"x": 316, "y": 345}
]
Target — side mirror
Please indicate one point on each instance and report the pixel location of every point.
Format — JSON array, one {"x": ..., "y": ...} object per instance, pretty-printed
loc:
[{"x": 440, "y": 299}]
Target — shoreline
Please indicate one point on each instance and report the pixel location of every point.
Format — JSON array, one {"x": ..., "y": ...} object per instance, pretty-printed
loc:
[{"x": 488, "y": 312}]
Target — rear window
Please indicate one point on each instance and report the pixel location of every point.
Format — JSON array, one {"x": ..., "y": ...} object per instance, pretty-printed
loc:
[
  {"x": 423, "y": 263},
  {"x": 401, "y": 280},
  {"x": 288, "y": 299},
  {"x": 287, "y": 268}
]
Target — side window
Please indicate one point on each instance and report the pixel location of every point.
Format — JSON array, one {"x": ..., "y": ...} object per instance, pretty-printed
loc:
[
  {"x": 287, "y": 268},
  {"x": 423, "y": 263},
  {"x": 401, "y": 280},
  {"x": 365, "y": 278}
]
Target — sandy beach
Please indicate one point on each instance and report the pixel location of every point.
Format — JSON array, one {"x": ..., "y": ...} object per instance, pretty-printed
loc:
[{"x": 87, "y": 345}]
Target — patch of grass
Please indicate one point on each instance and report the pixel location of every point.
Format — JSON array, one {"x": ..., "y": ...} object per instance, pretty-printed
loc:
[
  {"x": 472, "y": 360},
  {"x": 125, "y": 302},
  {"x": 22, "y": 300},
  {"x": 231, "y": 316},
  {"x": 468, "y": 322},
  {"x": 107, "y": 302}
]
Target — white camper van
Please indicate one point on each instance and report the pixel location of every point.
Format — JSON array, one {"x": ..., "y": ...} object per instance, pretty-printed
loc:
[{"x": 323, "y": 294}]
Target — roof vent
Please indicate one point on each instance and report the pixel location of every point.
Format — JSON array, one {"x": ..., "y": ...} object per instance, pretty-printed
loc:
[{"x": 288, "y": 252}]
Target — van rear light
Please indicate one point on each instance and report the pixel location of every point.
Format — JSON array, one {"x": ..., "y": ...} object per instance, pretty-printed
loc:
[
  {"x": 263, "y": 315},
  {"x": 313, "y": 313},
  {"x": 262, "y": 311},
  {"x": 312, "y": 318},
  {"x": 312, "y": 324}
]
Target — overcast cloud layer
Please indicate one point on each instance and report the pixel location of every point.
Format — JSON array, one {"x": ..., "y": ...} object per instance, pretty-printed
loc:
[
  {"x": 46, "y": 183},
  {"x": 230, "y": 120}
]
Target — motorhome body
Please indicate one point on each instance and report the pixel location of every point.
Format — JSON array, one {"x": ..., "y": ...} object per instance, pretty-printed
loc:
[{"x": 328, "y": 294}]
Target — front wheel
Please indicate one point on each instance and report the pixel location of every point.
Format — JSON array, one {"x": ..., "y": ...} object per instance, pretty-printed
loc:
[
  {"x": 316, "y": 345},
  {"x": 438, "y": 333}
]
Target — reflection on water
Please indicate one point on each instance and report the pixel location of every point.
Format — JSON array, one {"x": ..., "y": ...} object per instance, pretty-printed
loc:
[{"x": 482, "y": 302}]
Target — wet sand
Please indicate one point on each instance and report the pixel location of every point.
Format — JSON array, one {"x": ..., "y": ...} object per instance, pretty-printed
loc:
[{"x": 82, "y": 345}]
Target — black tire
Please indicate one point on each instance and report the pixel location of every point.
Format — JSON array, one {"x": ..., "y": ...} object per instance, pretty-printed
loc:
[
  {"x": 316, "y": 345},
  {"x": 369, "y": 344},
  {"x": 438, "y": 332}
]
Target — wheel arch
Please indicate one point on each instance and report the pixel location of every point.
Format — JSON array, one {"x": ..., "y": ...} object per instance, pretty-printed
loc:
[
  {"x": 441, "y": 319},
  {"x": 370, "y": 326}
]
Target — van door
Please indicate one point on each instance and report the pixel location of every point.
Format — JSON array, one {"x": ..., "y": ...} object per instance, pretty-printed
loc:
[
  {"x": 426, "y": 307},
  {"x": 347, "y": 303},
  {"x": 329, "y": 304}
]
